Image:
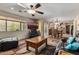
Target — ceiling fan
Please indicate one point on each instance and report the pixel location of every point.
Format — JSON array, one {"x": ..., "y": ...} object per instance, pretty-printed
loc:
[{"x": 32, "y": 10}]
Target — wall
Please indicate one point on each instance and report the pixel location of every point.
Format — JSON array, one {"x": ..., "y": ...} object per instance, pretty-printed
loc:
[
  {"x": 43, "y": 27},
  {"x": 76, "y": 25},
  {"x": 46, "y": 31}
]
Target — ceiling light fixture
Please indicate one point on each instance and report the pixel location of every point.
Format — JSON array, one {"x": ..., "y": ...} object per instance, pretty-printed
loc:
[{"x": 31, "y": 11}]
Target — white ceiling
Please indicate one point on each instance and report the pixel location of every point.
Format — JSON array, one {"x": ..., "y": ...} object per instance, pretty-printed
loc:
[{"x": 66, "y": 11}]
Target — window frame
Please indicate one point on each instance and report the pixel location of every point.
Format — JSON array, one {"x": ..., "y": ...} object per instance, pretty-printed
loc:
[
  {"x": 21, "y": 26},
  {"x": 6, "y": 20},
  {"x": 5, "y": 25}
]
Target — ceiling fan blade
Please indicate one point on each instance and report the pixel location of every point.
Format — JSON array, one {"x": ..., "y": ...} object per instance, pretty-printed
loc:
[
  {"x": 31, "y": 6},
  {"x": 20, "y": 11},
  {"x": 37, "y": 5},
  {"x": 33, "y": 15},
  {"x": 40, "y": 12}
]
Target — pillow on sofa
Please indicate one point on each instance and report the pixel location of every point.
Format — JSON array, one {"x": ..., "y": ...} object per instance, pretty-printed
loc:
[
  {"x": 73, "y": 46},
  {"x": 68, "y": 47},
  {"x": 70, "y": 40}
]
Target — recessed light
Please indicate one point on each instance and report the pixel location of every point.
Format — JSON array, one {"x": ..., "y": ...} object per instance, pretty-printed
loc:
[{"x": 11, "y": 8}]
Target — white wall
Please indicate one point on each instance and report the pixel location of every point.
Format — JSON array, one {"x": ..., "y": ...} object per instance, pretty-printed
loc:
[
  {"x": 46, "y": 32},
  {"x": 76, "y": 25},
  {"x": 43, "y": 27}
]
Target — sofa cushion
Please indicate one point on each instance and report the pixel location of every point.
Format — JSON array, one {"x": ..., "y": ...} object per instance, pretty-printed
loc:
[
  {"x": 4, "y": 46},
  {"x": 6, "y": 39},
  {"x": 14, "y": 38},
  {"x": 68, "y": 47},
  {"x": 75, "y": 46}
]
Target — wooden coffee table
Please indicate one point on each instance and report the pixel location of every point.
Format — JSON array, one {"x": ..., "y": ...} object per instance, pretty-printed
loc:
[{"x": 35, "y": 43}]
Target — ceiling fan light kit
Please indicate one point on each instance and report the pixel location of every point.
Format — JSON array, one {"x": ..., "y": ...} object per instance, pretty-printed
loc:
[{"x": 33, "y": 9}]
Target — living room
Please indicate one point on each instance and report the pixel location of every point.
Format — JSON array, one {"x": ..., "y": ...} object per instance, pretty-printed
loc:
[{"x": 37, "y": 28}]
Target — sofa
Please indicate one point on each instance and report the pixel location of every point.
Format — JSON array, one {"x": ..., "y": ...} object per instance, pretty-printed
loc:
[
  {"x": 8, "y": 43},
  {"x": 74, "y": 52}
]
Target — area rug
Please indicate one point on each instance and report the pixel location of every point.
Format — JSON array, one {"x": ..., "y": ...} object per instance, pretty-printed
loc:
[{"x": 49, "y": 50}]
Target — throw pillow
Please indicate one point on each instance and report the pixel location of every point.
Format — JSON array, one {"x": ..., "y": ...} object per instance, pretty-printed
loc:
[
  {"x": 68, "y": 47},
  {"x": 70, "y": 40},
  {"x": 73, "y": 46}
]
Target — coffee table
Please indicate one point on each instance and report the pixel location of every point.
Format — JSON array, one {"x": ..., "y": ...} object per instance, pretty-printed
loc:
[{"x": 35, "y": 43}]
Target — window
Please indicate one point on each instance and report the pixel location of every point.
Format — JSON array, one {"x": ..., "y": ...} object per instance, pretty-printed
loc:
[
  {"x": 6, "y": 25},
  {"x": 2, "y": 25},
  {"x": 13, "y": 26}
]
